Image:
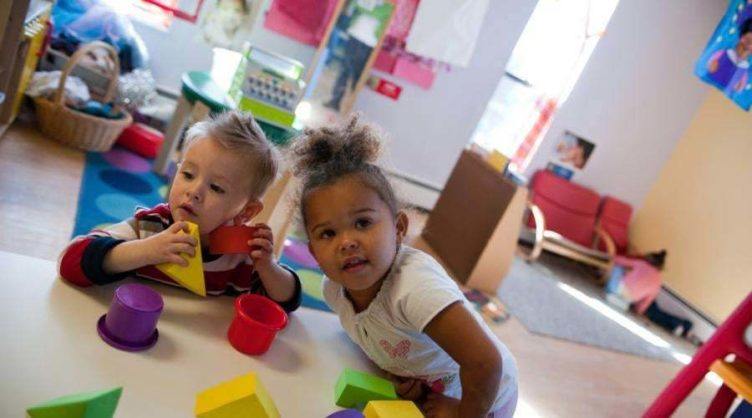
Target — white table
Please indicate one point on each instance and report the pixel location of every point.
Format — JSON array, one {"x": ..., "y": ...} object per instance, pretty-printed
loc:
[{"x": 49, "y": 347}]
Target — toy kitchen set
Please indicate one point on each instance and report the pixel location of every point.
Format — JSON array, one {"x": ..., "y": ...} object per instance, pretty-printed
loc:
[{"x": 269, "y": 86}]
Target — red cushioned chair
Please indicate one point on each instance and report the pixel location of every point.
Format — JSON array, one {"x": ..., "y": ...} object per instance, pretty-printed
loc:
[
  {"x": 564, "y": 221},
  {"x": 614, "y": 216}
]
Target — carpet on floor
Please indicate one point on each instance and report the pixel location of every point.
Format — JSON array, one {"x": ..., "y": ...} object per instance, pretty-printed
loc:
[{"x": 549, "y": 307}]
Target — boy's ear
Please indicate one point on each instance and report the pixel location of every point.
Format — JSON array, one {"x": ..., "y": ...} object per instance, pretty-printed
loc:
[
  {"x": 402, "y": 224},
  {"x": 249, "y": 211}
]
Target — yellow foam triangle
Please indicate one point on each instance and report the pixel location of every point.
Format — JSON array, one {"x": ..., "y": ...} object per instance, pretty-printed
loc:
[{"x": 192, "y": 276}]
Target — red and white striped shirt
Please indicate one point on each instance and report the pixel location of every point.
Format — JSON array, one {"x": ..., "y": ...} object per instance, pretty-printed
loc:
[{"x": 81, "y": 262}]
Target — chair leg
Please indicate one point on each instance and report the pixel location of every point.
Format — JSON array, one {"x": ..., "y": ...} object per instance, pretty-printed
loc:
[
  {"x": 684, "y": 382},
  {"x": 172, "y": 136},
  {"x": 721, "y": 402}
]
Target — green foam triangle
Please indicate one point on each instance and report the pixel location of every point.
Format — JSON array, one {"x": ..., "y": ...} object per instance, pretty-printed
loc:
[{"x": 98, "y": 404}]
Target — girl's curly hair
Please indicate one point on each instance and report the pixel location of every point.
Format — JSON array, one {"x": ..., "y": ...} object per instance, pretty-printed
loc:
[{"x": 322, "y": 156}]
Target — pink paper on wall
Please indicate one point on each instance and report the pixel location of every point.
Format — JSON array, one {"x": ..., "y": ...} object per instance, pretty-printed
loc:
[
  {"x": 403, "y": 19},
  {"x": 385, "y": 61},
  {"x": 302, "y": 20},
  {"x": 414, "y": 71}
]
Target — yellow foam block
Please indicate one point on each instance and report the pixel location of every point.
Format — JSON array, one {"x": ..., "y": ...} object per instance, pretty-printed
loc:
[
  {"x": 242, "y": 397},
  {"x": 192, "y": 276},
  {"x": 392, "y": 409}
]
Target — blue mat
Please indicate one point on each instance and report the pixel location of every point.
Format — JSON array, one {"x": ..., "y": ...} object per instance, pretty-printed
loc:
[
  {"x": 115, "y": 183},
  {"x": 310, "y": 276}
]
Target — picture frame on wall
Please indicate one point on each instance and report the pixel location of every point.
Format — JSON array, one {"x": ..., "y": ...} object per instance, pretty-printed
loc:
[
  {"x": 725, "y": 63},
  {"x": 345, "y": 57},
  {"x": 574, "y": 151}
]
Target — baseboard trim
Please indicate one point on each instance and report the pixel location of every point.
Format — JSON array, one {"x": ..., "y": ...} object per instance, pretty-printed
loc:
[
  {"x": 689, "y": 306},
  {"x": 413, "y": 192}
]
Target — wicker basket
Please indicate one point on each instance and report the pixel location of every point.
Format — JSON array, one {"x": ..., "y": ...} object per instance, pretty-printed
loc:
[{"x": 78, "y": 129}]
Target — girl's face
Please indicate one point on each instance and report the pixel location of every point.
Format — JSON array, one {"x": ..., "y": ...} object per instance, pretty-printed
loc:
[{"x": 353, "y": 234}]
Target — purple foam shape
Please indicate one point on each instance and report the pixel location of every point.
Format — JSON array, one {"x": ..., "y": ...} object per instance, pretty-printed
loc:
[
  {"x": 131, "y": 322},
  {"x": 347, "y": 413},
  {"x": 127, "y": 161},
  {"x": 297, "y": 251}
]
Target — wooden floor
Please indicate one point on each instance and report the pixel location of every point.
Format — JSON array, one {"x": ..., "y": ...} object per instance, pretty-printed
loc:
[{"x": 39, "y": 184}]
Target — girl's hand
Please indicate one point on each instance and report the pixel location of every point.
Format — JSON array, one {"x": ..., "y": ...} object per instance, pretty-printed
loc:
[
  {"x": 410, "y": 389},
  {"x": 167, "y": 246},
  {"x": 262, "y": 245},
  {"x": 440, "y": 406}
]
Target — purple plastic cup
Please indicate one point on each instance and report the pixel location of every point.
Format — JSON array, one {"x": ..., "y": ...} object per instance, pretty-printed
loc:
[
  {"x": 346, "y": 413},
  {"x": 131, "y": 322}
]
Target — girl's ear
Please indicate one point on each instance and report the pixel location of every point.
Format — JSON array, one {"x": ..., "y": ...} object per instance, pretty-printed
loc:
[
  {"x": 401, "y": 223},
  {"x": 251, "y": 209}
]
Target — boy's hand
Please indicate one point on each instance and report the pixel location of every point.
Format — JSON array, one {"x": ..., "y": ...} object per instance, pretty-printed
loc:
[
  {"x": 278, "y": 282},
  {"x": 440, "y": 406},
  {"x": 262, "y": 245},
  {"x": 166, "y": 246}
]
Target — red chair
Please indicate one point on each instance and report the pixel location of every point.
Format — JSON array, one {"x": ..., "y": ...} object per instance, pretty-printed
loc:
[
  {"x": 614, "y": 216},
  {"x": 564, "y": 218},
  {"x": 727, "y": 339}
]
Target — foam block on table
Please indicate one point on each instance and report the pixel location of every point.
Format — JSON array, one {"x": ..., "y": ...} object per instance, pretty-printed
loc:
[
  {"x": 243, "y": 396},
  {"x": 98, "y": 404},
  {"x": 392, "y": 409},
  {"x": 192, "y": 276},
  {"x": 357, "y": 388}
]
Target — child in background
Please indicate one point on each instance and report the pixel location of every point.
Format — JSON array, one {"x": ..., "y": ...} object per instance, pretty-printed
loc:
[
  {"x": 227, "y": 166},
  {"x": 397, "y": 303}
]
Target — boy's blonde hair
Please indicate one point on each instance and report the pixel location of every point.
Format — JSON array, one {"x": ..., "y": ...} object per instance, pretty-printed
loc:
[{"x": 239, "y": 132}]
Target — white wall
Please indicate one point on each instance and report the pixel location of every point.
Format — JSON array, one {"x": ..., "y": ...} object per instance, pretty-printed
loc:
[
  {"x": 429, "y": 128},
  {"x": 637, "y": 93},
  {"x": 181, "y": 48}
]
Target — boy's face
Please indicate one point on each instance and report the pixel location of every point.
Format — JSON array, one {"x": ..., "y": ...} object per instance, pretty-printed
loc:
[
  {"x": 211, "y": 186},
  {"x": 352, "y": 234}
]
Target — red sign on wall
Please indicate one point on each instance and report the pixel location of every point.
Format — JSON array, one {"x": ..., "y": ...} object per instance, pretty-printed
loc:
[{"x": 385, "y": 87}]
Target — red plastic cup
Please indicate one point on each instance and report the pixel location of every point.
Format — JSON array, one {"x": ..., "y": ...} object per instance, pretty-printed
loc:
[
  {"x": 231, "y": 240},
  {"x": 256, "y": 322}
]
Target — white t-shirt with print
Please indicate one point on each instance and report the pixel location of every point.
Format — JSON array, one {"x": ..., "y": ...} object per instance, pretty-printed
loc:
[{"x": 390, "y": 330}]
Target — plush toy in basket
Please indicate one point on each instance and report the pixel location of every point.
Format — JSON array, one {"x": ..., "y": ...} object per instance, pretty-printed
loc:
[{"x": 85, "y": 129}]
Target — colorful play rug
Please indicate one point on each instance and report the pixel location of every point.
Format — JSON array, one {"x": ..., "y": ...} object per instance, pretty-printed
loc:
[
  {"x": 296, "y": 255},
  {"x": 114, "y": 183}
]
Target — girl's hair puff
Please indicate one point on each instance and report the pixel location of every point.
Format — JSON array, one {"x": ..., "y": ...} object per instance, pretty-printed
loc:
[{"x": 322, "y": 156}]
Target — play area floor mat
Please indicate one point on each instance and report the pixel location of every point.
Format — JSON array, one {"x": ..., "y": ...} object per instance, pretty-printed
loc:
[
  {"x": 296, "y": 256},
  {"x": 116, "y": 182},
  {"x": 548, "y": 306}
]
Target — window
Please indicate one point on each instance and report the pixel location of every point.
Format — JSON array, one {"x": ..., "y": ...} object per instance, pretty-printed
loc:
[{"x": 542, "y": 70}]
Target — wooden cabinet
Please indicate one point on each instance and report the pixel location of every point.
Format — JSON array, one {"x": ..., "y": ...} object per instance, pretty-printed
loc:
[
  {"x": 22, "y": 29},
  {"x": 474, "y": 226}
]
